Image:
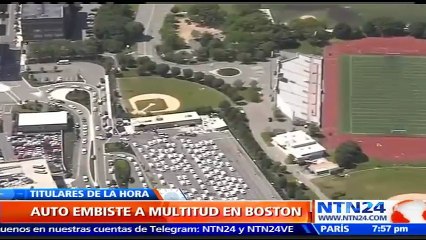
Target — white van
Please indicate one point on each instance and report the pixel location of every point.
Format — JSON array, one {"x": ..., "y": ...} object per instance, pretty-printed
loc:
[{"x": 63, "y": 62}]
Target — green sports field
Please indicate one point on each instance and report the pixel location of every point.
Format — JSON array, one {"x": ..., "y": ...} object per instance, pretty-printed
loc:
[{"x": 383, "y": 94}]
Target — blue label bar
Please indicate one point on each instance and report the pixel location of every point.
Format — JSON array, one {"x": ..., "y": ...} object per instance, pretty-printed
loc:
[
  {"x": 211, "y": 229},
  {"x": 78, "y": 194},
  {"x": 371, "y": 229},
  {"x": 157, "y": 229}
]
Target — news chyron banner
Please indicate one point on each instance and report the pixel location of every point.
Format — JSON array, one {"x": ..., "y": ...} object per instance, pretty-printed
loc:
[{"x": 165, "y": 212}]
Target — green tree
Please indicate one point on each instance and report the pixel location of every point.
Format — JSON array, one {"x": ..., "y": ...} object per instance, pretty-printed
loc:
[
  {"x": 150, "y": 66},
  {"x": 253, "y": 84},
  {"x": 134, "y": 31},
  {"x": 282, "y": 182},
  {"x": 239, "y": 84},
  {"x": 348, "y": 154},
  {"x": 253, "y": 95},
  {"x": 198, "y": 76},
  {"x": 314, "y": 130},
  {"x": 187, "y": 73},
  {"x": 268, "y": 47},
  {"x": 291, "y": 189},
  {"x": 416, "y": 29},
  {"x": 244, "y": 58},
  {"x": 219, "y": 54},
  {"x": 342, "y": 31},
  {"x": 143, "y": 60},
  {"x": 175, "y": 9},
  {"x": 217, "y": 83},
  {"x": 208, "y": 80},
  {"x": 224, "y": 105},
  {"x": 205, "y": 39},
  {"x": 370, "y": 29},
  {"x": 208, "y": 14},
  {"x": 162, "y": 69},
  {"x": 112, "y": 45},
  {"x": 175, "y": 71}
]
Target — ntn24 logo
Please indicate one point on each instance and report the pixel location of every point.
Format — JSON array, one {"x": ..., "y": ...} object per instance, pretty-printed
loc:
[
  {"x": 339, "y": 207},
  {"x": 406, "y": 211}
]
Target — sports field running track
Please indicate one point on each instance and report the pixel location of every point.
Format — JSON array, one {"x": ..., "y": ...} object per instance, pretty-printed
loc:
[
  {"x": 383, "y": 94},
  {"x": 385, "y": 147}
]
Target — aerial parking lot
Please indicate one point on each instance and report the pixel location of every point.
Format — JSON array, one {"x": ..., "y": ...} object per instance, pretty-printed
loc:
[{"x": 206, "y": 166}]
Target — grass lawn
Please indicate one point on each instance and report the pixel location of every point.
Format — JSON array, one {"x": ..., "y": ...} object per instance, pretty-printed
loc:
[
  {"x": 118, "y": 147},
  {"x": 122, "y": 172},
  {"x": 251, "y": 95},
  {"x": 355, "y": 14},
  {"x": 191, "y": 95},
  {"x": 375, "y": 184},
  {"x": 152, "y": 104},
  {"x": 381, "y": 102},
  {"x": 267, "y": 138},
  {"x": 130, "y": 72},
  {"x": 79, "y": 96}
]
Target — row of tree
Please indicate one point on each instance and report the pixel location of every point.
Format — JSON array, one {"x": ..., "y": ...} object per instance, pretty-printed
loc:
[
  {"x": 380, "y": 27},
  {"x": 54, "y": 50},
  {"x": 146, "y": 67},
  {"x": 273, "y": 171}
]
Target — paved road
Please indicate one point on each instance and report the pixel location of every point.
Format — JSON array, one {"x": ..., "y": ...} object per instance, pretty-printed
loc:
[
  {"x": 91, "y": 74},
  {"x": 152, "y": 15}
]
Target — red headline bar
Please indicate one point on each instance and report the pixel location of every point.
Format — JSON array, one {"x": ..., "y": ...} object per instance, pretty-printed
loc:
[{"x": 155, "y": 212}]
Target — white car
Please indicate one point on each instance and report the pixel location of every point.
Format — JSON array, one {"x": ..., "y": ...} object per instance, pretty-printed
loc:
[
  {"x": 111, "y": 170},
  {"x": 97, "y": 128},
  {"x": 100, "y": 137},
  {"x": 88, "y": 88},
  {"x": 74, "y": 86},
  {"x": 72, "y": 106},
  {"x": 84, "y": 141},
  {"x": 84, "y": 151},
  {"x": 79, "y": 112},
  {"x": 85, "y": 178},
  {"x": 95, "y": 109},
  {"x": 50, "y": 98}
]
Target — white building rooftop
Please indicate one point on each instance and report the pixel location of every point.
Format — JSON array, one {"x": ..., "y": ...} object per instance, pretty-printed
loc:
[
  {"x": 323, "y": 165},
  {"x": 15, "y": 172},
  {"x": 298, "y": 143},
  {"x": 43, "y": 118},
  {"x": 168, "y": 118},
  {"x": 213, "y": 123}
]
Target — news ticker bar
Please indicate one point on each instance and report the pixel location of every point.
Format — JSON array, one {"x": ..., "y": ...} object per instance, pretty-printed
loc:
[
  {"x": 155, "y": 211},
  {"x": 81, "y": 194},
  {"x": 211, "y": 229}
]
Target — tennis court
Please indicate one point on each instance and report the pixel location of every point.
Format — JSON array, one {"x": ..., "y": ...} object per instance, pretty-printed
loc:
[{"x": 383, "y": 94}]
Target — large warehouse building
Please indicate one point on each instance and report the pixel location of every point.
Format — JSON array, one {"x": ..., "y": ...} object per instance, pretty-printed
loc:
[
  {"x": 42, "y": 122},
  {"x": 299, "y": 86}
]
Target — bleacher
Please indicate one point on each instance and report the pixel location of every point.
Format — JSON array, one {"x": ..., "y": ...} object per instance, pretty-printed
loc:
[{"x": 299, "y": 96}]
